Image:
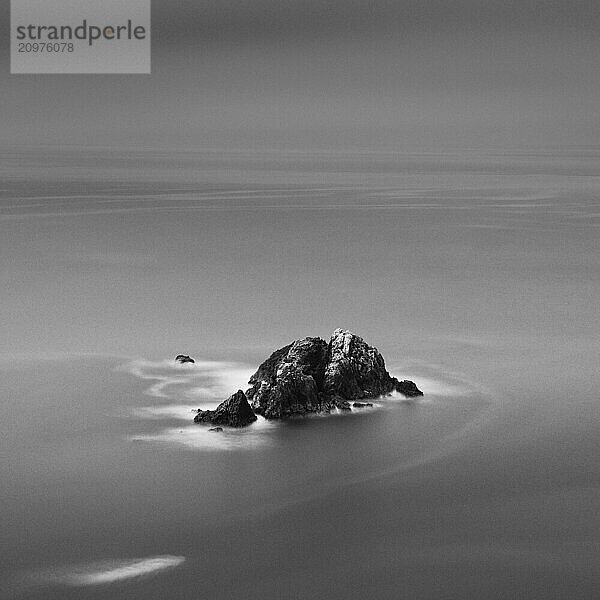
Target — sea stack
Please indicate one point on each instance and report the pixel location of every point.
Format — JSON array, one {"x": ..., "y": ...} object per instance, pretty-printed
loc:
[{"x": 311, "y": 375}]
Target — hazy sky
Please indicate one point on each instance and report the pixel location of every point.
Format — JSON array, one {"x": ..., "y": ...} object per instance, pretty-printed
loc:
[{"x": 302, "y": 74}]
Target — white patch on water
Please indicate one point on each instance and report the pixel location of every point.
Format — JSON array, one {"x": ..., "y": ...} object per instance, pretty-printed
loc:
[
  {"x": 438, "y": 387},
  {"x": 183, "y": 412},
  {"x": 434, "y": 380},
  {"x": 199, "y": 437},
  {"x": 107, "y": 572},
  {"x": 205, "y": 384},
  {"x": 214, "y": 380}
]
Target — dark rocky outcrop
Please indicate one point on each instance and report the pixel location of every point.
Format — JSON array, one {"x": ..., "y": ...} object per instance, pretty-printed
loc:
[
  {"x": 311, "y": 375},
  {"x": 183, "y": 358},
  {"x": 354, "y": 369},
  {"x": 290, "y": 381},
  {"x": 408, "y": 388},
  {"x": 234, "y": 412}
]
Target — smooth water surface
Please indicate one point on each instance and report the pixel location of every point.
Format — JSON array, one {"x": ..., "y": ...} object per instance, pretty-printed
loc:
[{"x": 476, "y": 275}]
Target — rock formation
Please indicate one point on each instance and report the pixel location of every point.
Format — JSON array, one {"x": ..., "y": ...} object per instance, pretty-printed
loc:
[
  {"x": 183, "y": 358},
  {"x": 234, "y": 412},
  {"x": 310, "y": 375}
]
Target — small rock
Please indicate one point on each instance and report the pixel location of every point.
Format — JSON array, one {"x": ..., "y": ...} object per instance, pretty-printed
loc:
[
  {"x": 408, "y": 388},
  {"x": 341, "y": 403},
  {"x": 216, "y": 429},
  {"x": 184, "y": 358},
  {"x": 234, "y": 412}
]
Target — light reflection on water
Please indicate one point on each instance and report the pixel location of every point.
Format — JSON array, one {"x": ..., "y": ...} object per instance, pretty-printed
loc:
[{"x": 106, "y": 572}]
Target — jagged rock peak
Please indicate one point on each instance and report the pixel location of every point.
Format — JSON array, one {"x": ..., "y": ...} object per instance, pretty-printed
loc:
[
  {"x": 233, "y": 412},
  {"x": 354, "y": 368},
  {"x": 290, "y": 380}
]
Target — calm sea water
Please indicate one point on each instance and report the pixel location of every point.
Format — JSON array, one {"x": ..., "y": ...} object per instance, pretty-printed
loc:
[{"x": 475, "y": 274}]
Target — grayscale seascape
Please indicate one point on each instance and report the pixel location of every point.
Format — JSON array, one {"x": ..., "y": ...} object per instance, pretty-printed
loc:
[{"x": 425, "y": 174}]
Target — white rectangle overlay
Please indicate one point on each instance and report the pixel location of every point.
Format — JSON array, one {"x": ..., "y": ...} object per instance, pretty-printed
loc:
[{"x": 80, "y": 36}]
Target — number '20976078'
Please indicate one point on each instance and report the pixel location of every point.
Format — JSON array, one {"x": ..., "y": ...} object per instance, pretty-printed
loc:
[{"x": 45, "y": 47}]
